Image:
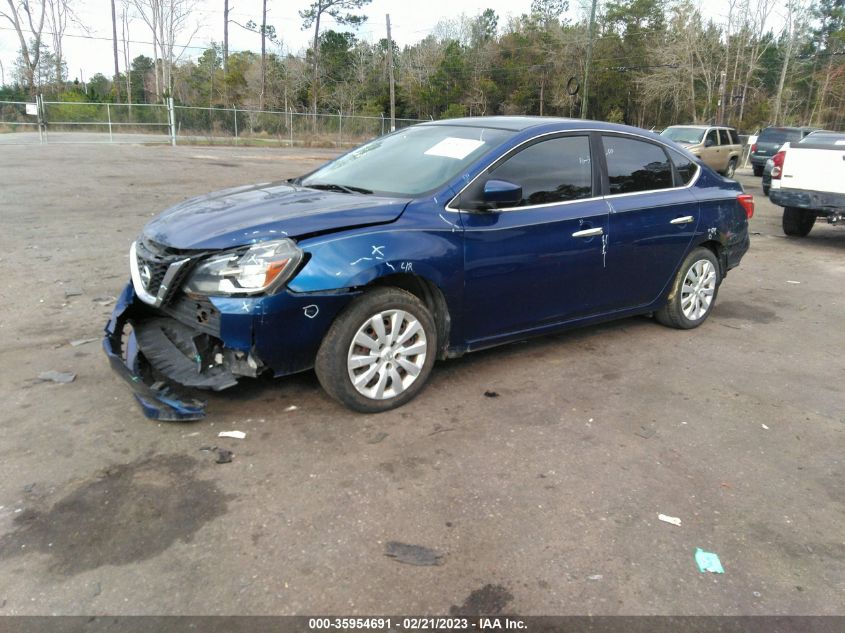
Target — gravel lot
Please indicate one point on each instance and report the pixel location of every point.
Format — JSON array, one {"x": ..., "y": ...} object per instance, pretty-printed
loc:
[{"x": 543, "y": 500}]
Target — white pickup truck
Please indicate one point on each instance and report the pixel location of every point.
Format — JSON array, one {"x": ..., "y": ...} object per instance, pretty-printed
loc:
[{"x": 808, "y": 181}]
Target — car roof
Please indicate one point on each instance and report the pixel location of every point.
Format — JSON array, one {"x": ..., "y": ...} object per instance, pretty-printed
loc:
[
  {"x": 523, "y": 123},
  {"x": 703, "y": 127},
  {"x": 787, "y": 128}
]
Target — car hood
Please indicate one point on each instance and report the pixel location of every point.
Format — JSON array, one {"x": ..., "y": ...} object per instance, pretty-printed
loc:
[{"x": 244, "y": 215}]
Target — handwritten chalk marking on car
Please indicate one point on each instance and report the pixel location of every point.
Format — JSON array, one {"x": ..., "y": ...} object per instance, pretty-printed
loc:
[
  {"x": 378, "y": 252},
  {"x": 454, "y": 226},
  {"x": 361, "y": 259},
  {"x": 311, "y": 311}
]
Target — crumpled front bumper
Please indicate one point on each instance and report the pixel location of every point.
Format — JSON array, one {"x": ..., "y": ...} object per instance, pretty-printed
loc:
[
  {"x": 242, "y": 337},
  {"x": 157, "y": 400}
]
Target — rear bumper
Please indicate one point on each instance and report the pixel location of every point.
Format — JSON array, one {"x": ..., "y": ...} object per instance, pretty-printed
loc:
[
  {"x": 823, "y": 201},
  {"x": 211, "y": 343}
]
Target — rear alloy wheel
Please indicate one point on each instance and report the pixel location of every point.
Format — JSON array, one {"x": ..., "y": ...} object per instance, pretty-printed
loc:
[
  {"x": 693, "y": 291},
  {"x": 731, "y": 169},
  {"x": 798, "y": 222},
  {"x": 379, "y": 353}
]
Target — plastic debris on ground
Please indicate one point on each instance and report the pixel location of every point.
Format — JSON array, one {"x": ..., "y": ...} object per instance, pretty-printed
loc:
[
  {"x": 667, "y": 519},
  {"x": 645, "y": 432},
  {"x": 412, "y": 554},
  {"x": 765, "y": 427},
  {"x": 83, "y": 341},
  {"x": 708, "y": 561},
  {"x": 378, "y": 437},
  {"x": 595, "y": 577},
  {"x": 72, "y": 292},
  {"x": 292, "y": 407},
  {"x": 238, "y": 435},
  {"x": 57, "y": 376}
]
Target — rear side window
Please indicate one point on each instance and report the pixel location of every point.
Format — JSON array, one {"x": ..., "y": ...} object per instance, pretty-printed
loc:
[
  {"x": 684, "y": 166},
  {"x": 734, "y": 137},
  {"x": 555, "y": 170},
  {"x": 635, "y": 165}
]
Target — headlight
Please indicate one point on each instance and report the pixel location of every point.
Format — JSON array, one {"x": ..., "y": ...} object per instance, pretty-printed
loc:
[{"x": 263, "y": 267}]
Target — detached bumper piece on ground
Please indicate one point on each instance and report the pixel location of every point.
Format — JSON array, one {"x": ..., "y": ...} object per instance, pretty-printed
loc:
[{"x": 123, "y": 344}]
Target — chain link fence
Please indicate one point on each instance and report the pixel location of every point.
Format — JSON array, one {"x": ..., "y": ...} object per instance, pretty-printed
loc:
[{"x": 78, "y": 122}]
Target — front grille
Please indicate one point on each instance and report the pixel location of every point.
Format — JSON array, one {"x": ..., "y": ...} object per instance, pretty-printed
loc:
[{"x": 156, "y": 259}]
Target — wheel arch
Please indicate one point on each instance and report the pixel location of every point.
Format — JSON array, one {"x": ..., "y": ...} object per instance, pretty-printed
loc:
[
  {"x": 718, "y": 249},
  {"x": 430, "y": 294}
]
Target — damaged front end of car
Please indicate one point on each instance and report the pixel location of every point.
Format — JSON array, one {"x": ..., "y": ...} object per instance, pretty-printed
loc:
[{"x": 169, "y": 332}]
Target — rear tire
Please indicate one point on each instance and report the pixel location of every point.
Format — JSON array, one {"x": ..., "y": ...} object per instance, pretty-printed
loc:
[
  {"x": 798, "y": 222},
  {"x": 693, "y": 292},
  {"x": 379, "y": 352},
  {"x": 758, "y": 171},
  {"x": 731, "y": 169}
]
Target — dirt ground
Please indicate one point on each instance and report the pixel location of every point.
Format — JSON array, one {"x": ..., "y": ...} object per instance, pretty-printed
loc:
[{"x": 543, "y": 500}]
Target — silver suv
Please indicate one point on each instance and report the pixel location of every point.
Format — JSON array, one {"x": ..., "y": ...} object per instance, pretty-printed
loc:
[{"x": 719, "y": 147}]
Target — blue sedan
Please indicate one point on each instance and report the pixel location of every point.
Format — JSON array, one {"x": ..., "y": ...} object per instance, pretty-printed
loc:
[{"x": 431, "y": 242}]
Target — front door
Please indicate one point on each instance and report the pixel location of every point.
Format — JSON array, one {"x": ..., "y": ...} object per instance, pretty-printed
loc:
[{"x": 542, "y": 261}]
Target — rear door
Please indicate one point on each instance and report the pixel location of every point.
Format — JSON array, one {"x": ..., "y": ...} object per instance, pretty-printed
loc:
[{"x": 653, "y": 218}]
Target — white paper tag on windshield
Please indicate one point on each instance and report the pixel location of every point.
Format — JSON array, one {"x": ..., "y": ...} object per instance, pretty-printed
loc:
[{"x": 452, "y": 147}]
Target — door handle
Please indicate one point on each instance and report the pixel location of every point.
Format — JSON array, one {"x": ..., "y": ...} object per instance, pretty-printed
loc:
[
  {"x": 683, "y": 220},
  {"x": 589, "y": 232}
]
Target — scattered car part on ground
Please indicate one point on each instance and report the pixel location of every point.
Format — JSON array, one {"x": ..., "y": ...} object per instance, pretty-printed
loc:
[{"x": 436, "y": 240}]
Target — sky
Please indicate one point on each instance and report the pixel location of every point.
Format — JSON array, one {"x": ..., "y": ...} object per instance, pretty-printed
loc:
[{"x": 411, "y": 20}]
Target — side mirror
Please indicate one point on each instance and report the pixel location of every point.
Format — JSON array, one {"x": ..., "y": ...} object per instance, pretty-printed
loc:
[{"x": 502, "y": 192}]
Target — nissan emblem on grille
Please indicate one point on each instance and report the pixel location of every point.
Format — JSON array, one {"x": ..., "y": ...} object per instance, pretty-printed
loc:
[{"x": 146, "y": 275}]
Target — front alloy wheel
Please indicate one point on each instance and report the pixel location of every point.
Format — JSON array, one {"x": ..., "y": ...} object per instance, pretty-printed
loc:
[
  {"x": 379, "y": 352},
  {"x": 387, "y": 354},
  {"x": 693, "y": 292}
]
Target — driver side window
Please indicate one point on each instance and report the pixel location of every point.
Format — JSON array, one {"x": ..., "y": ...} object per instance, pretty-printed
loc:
[{"x": 555, "y": 170}]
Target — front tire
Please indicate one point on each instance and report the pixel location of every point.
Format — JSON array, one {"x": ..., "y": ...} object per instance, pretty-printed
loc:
[
  {"x": 731, "y": 169},
  {"x": 798, "y": 222},
  {"x": 379, "y": 352},
  {"x": 693, "y": 291}
]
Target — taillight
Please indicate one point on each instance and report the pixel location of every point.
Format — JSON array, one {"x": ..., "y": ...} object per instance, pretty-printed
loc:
[
  {"x": 754, "y": 148},
  {"x": 778, "y": 159},
  {"x": 746, "y": 201}
]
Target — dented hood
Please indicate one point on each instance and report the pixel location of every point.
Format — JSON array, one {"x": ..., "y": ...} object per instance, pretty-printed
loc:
[{"x": 244, "y": 215}]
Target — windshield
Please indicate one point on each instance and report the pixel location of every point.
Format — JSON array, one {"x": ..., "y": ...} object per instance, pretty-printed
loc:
[
  {"x": 679, "y": 134},
  {"x": 409, "y": 162}
]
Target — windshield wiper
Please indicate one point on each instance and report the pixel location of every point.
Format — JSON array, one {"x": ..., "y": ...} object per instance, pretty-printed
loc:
[{"x": 329, "y": 186}]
